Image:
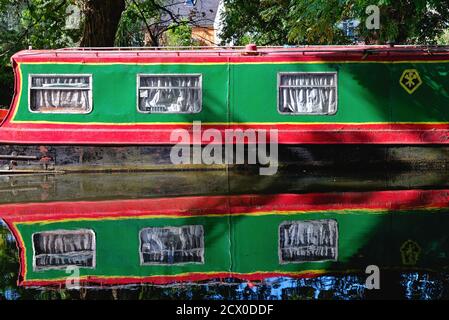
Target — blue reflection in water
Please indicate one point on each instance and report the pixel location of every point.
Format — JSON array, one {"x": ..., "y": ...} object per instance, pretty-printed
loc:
[
  {"x": 11, "y": 294},
  {"x": 421, "y": 286},
  {"x": 343, "y": 287}
]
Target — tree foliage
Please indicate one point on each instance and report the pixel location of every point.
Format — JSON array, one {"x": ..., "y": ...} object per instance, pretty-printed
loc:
[
  {"x": 256, "y": 21},
  {"x": 156, "y": 19},
  {"x": 180, "y": 35},
  {"x": 24, "y": 23},
  {"x": 37, "y": 23},
  {"x": 280, "y": 22}
]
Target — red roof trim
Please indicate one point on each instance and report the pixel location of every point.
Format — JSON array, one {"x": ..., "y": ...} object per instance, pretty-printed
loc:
[{"x": 331, "y": 53}]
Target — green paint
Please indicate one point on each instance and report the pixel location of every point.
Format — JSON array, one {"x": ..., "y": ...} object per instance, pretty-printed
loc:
[
  {"x": 367, "y": 92},
  {"x": 115, "y": 93},
  {"x": 118, "y": 247},
  {"x": 246, "y": 244}
]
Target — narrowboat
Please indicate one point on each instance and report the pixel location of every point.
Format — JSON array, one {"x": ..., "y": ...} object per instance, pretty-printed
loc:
[
  {"x": 84, "y": 108},
  {"x": 247, "y": 237}
]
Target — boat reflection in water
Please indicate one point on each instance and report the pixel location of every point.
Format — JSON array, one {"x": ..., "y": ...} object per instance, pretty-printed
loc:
[{"x": 212, "y": 237}]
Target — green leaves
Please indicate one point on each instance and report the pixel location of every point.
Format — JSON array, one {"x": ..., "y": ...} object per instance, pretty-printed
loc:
[
  {"x": 129, "y": 32},
  {"x": 37, "y": 23},
  {"x": 181, "y": 35},
  {"x": 260, "y": 21},
  {"x": 279, "y": 22}
]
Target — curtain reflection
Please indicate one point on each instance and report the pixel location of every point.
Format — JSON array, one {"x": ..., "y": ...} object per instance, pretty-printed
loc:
[{"x": 63, "y": 248}]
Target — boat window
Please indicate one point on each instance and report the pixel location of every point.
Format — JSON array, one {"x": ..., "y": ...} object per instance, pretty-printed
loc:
[
  {"x": 62, "y": 248},
  {"x": 307, "y": 241},
  {"x": 60, "y": 93},
  {"x": 169, "y": 93},
  {"x": 172, "y": 245},
  {"x": 303, "y": 93}
]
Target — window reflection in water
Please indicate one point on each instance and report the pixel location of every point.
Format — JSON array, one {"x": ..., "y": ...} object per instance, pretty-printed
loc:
[{"x": 412, "y": 285}]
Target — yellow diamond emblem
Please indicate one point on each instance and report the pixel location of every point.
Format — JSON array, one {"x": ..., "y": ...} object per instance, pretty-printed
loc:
[
  {"x": 410, "y": 252},
  {"x": 410, "y": 80}
]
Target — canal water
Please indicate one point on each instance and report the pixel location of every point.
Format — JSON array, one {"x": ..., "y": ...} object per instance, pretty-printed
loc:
[{"x": 426, "y": 279}]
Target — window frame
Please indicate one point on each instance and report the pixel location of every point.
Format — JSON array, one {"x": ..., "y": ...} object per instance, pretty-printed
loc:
[
  {"x": 200, "y": 88},
  {"x": 62, "y": 231},
  {"x": 278, "y": 104},
  {"x": 283, "y": 262},
  {"x": 62, "y": 75},
  {"x": 202, "y": 243}
]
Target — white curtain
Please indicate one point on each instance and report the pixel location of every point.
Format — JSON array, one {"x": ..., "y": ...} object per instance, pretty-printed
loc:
[
  {"x": 170, "y": 94},
  {"x": 308, "y": 93},
  {"x": 65, "y": 248},
  {"x": 64, "y": 94},
  {"x": 172, "y": 244},
  {"x": 309, "y": 240}
]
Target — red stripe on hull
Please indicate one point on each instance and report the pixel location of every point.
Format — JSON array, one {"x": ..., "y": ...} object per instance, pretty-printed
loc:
[
  {"x": 221, "y": 205},
  {"x": 21, "y": 248},
  {"x": 157, "y": 134},
  {"x": 160, "y": 280}
]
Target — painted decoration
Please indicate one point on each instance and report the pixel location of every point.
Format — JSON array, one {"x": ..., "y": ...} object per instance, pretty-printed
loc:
[{"x": 410, "y": 80}]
